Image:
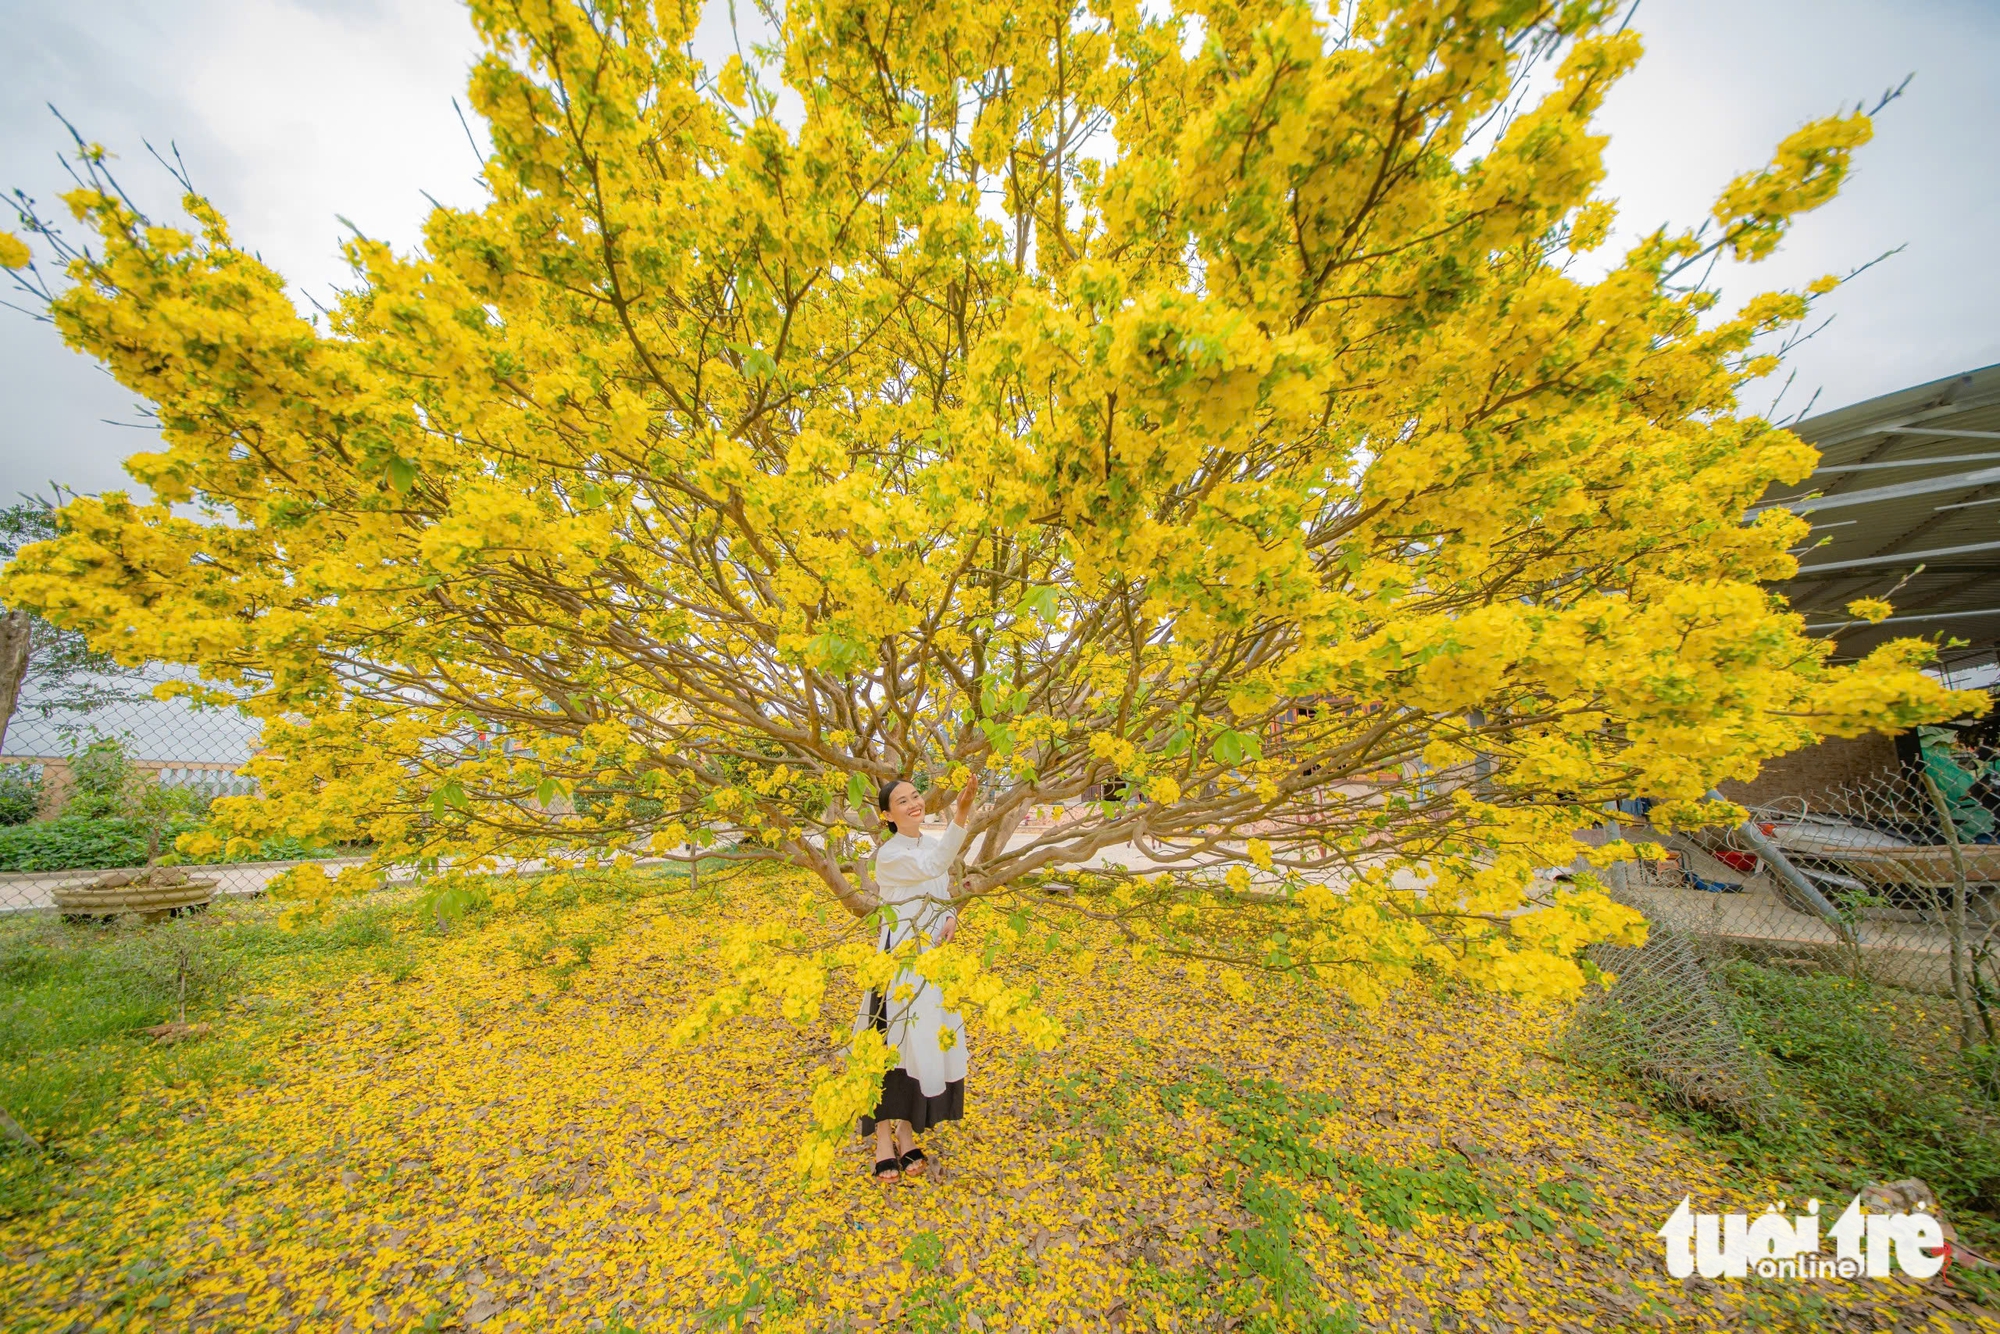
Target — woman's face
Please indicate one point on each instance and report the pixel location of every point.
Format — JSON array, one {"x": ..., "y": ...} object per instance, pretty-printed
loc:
[{"x": 906, "y": 808}]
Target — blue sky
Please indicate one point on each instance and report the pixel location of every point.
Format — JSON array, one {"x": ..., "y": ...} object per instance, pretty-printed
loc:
[{"x": 288, "y": 112}]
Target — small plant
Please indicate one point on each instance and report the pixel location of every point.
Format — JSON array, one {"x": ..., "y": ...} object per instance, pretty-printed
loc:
[
  {"x": 175, "y": 961},
  {"x": 20, "y": 794},
  {"x": 101, "y": 780},
  {"x": 108, "y": 790},
  {"x": 158, "y": 809}
]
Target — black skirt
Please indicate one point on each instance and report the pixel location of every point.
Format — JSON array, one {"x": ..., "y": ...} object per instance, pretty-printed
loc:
[{"x": 903, "y": 1097}]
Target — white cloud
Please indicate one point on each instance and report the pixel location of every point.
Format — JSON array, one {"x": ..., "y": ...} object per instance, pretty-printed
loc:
[{"x": 285, "y": 113}]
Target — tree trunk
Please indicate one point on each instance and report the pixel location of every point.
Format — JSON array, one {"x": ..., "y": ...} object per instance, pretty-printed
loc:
[{"x": 13, "y": 666}]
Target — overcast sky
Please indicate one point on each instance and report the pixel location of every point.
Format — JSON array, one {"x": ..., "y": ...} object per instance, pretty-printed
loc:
[{"x": 288, "y": 112}]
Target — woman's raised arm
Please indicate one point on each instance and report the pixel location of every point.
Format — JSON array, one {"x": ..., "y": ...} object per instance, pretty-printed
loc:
[
  {"x": 935, "y": 857},
  {"x": 930, "y": 857}
]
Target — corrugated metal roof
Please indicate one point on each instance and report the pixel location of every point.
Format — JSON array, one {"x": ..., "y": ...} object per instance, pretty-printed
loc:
[{"x": 1906, "y": 481}]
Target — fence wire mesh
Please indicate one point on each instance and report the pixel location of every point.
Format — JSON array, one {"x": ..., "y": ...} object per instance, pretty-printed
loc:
[
  {"x": 92, "y": 792},
  {"x": 1892, "y": 880}
]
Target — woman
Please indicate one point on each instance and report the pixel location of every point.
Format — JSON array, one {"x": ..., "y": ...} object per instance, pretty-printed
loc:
[{"x": 912, "y": 878}]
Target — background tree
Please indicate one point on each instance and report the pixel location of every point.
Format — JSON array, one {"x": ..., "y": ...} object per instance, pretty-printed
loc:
[
  {"x": 53, "y": 667},
  {"x": 1068, "y": 392}
]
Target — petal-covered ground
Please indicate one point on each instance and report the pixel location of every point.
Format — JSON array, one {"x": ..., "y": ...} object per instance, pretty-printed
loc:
[{"x": 496, "y": 1132}]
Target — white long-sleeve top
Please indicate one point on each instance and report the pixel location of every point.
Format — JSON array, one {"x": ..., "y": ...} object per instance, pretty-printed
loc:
[{"x": 914, "y": 876}]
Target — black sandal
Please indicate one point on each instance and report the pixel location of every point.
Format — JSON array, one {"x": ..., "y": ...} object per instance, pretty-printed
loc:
[
  {"x": 888, "y": 1170},
  {"x": 913, "y": 1156}
]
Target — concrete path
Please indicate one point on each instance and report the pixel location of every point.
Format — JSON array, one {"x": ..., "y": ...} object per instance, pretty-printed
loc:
[{"x": 28, "y": 891}]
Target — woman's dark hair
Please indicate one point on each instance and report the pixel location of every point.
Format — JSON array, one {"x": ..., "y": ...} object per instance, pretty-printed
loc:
[{"x": 882, "y": 795}]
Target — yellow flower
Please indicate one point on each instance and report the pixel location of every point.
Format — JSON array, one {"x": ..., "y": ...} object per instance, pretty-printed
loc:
[
  {"x": 731, "y": 82},
  {"x": 1871, "y": 610},
  {"x": 14, "y": 252}
]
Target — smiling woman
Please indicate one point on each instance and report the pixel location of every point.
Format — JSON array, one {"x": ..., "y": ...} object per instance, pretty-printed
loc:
[{"x": 913, "y": 883}]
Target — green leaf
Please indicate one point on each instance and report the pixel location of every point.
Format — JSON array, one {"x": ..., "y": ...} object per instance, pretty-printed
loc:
[
  {"x": 857, "y": 791},
  {"x": 402, "y": 474},
  {"x": 1041, "y": 602},
  {"x": 451, "y": 794},
  {"x": 448, "y": 905},
  {"x": 1233, "y": 747},
  {"x": 998, "y": 735},
  {"x": 548, "y": 791},
  {"x": 834, "y": 653}
]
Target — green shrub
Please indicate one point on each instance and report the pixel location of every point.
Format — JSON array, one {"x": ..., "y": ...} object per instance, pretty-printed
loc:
[
  {"x": 101, "y": 780},
  {"x": 71, "y": 844},
  {"x": 20, "y": 794}
]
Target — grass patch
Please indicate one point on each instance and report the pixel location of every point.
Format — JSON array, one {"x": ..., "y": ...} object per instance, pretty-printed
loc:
[
  {"x": 1283, "y": 1173},
  {"x": 1868, "y": 1085},
  {"x": 75, "y": 998}
]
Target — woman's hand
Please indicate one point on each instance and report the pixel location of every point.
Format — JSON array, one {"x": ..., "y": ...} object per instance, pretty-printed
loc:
[
  {"x": 962, "y": 813},
  {"x": 947, "y": 931}
]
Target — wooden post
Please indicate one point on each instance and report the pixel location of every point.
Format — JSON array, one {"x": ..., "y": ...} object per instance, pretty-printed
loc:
[{"x": 1961, "y": 980}]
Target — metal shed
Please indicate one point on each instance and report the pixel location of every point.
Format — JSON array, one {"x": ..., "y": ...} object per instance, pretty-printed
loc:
[{"x": 1905, "y": 504}]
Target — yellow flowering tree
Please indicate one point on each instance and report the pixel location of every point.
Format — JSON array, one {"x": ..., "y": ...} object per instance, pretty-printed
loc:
[{"x": 1195, "y": 414}]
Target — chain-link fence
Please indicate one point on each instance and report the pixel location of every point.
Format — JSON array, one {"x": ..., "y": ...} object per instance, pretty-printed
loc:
[
  {"x": 93, "y": 798},
  {"x": 1892, "y": 879}
]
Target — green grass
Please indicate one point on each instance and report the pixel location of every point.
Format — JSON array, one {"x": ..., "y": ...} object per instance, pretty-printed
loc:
[
  {"x": 1281, "y": 1173},
  {"x": 1868, "y": 1085},
  {"x": 75, "y": 999}
]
